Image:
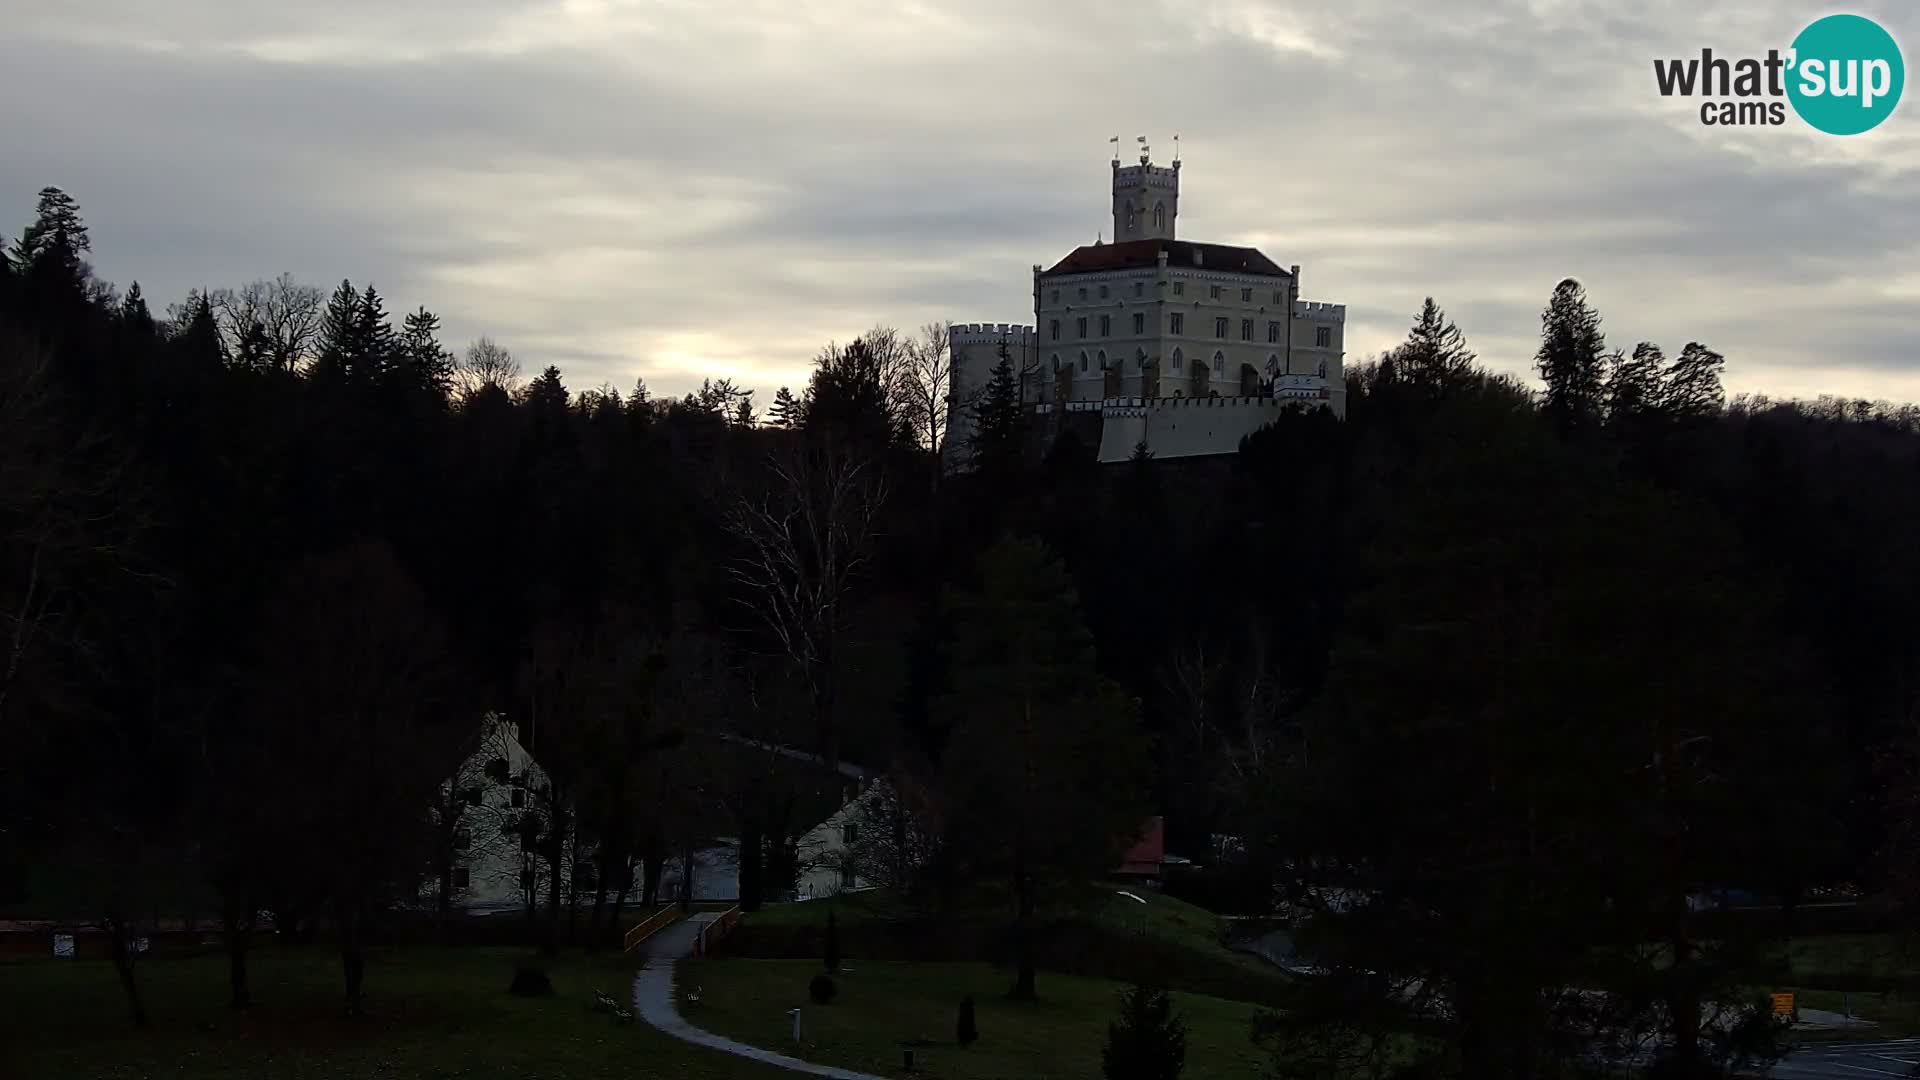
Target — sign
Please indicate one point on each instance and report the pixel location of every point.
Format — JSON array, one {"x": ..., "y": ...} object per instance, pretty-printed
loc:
[
  {"x": 1782, "y": 1004},
  {"x": 63, "y": 946}
]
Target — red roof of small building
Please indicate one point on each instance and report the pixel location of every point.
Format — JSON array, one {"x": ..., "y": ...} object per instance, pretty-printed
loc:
[
  {"x": 1145, "y": 855},
  {"x": 1141, "y": 254}
]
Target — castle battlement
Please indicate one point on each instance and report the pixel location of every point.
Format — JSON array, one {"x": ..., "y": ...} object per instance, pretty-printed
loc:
[
  {"x": 1311, "y": 388},
  {"x": 1150, "y": 176},
  {"x": 1314, "y": 309},
  {"x": 989, "y": 334}
]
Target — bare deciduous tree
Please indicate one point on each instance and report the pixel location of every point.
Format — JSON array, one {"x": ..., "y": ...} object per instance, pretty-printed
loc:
[
  {"x": 927, "y": 382},
  {"x": 486, "y": 364},
  {"x": 287, "y": 312}
]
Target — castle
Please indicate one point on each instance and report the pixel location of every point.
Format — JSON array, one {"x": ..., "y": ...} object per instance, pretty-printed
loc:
[{"x": 1188, "y": 347}]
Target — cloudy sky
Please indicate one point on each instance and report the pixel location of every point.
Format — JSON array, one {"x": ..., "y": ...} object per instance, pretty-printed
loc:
[{"x": 680, "y": 188}]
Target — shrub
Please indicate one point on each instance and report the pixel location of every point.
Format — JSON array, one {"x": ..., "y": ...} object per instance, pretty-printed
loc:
[
  {"x": 964, "y": 1031},
  {"x": 1148, "y": 1042},
  {"x": 821, "y": 989},
  {"x": 530, "y": 981}
]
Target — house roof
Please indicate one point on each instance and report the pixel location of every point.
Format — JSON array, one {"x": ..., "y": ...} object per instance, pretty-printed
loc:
[
  {"x": 1145, "y": 854},
  {"x": 1142, "y": 254}
]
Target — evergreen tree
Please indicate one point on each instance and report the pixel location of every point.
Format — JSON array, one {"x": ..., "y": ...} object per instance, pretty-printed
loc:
[
  {"x": 256, "y": 352},
  {"x": 743, "y": 412},
  {"x": 134, "y": 314},
  {"x": 339, "y": 324},
  {"x": 546, "y": 397},
  {"x": 1692, "y": 385},
  {"x": 1571, "y": 357},
  {"x": 375, "y": 348},
  {"x": 1633, "y": 382},
  {"x": 1148, "y": 1041},
  {"x": 199, "y": 340},
  {"x": 55, "y": 244},
  {"x": 847, "y": 401},
  {"x": 1435, "y": 353},
  {"x": 786, "y": 411},
  {"x": 997, "y": 430},
  {"x": 424, "y": 363}
]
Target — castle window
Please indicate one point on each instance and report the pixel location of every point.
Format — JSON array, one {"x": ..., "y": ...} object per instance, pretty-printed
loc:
[
  {"x": 1323, "y": 336},
  {"x": 1103, "y": 292},
  {"x": 1101, "y": 359},
  {"x": 1246, "y": 329},
  {"x": 1056, "y": 361},
  {"x": 1273, "y": 332},
  {"x": 1083, "y": 361},
  {"x": 1139, "y": 322},
  {"x": 1140, "y": 359},
  {"x": 1139, "y": 288},
  {"x": 1179, "y": 323},
  {"x": 1321, "y": 370},
  {"x": 1055, "y": 297},
  {"x": 1179, "y": 288},
  {"x": 1159, "y": 215},
  {"x": 1179, "y": 361},
  {"x": 1213, "y": 292},
  {"x": 1133, "y": 216},
  {"x": 1106, "y": 324},
  {"x": 1083, "y": 292},
  {"x": 1053, "y": 328},
  {"x": 1278, "y": 296},
  {"x": 1080, "y": 326},
  {"x": 1246, "y": 296},
  {"x": 1220, "y": 327},
  {"x": 1219, "y": 365}
]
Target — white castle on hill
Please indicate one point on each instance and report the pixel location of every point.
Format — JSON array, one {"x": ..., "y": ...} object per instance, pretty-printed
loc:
[{"x": 1186, "y": 346}]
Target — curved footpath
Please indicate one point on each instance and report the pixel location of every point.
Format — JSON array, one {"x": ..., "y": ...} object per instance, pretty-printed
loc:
[{"x": 653, "y": 1000}]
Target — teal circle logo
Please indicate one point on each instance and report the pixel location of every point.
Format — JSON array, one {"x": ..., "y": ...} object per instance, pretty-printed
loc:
[{"x": 1845, "y": 74}]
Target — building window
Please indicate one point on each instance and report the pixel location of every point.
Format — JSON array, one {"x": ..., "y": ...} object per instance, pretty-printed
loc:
[
  {"x": 1219, "y": 365},
  {"x": 849, "y": 832},
  {"x": 462, "y": 838},
  {"x": 1246, "y": 329},
  {"x": 1056, "y": 361},
  {"x": 1179, "y": 288},
  {"x": 1213, "y": 292},
  {"x": 1321, "y": 370},
  {"x": 1179, "y": 361},
  {"x": 1106, "y": 325},
  {"x": 1083, "y": 292},
  {"x": 1053, "y": 329},
  {"x": 1246, "y": 296},
  {"x": 1139, "y": 288},
  {"x": 1083, "y": 361},
  {"x": 1140, "y": 359},
  {"x": 1159, "y": 215},
  {"x": 1054, "y": 298},
  {"x": 1278, "y": 296},
  {"x": 1323, "y": 336},
  {"x": 519, "y": 797},
  {"x": 1101, "y": 359},
  {"x": 1103, "y": 292},
  {"x": 462, "y": 877},
  {"x": 1220, "y": 327},
  {"x": 1179, "y": 323},
  {"x": 1080, "y": 326},
  {"x": 1273, "y": 332},
  {"x": 846, "y": 877},
  {"x": 1139, "y": 322}
]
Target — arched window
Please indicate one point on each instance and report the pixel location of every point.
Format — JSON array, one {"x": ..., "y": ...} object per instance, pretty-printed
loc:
[
  {"x": 1133, "y": 217},
  {"x": 1219, "y": 365},
  {"x": 1273, "y": 365},
  {"x": 1322, "y": 370},
  {"x": 1102, "y": 358},
  {"x": 1179, "y": 361},
  {"x": 1083, "y": 361},
  {"x": 1140, "y": 359},
  {"x": 1056, "y": 361},
  {"x": 1159, "y": 216}
]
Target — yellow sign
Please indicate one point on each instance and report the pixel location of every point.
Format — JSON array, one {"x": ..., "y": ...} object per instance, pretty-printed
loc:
[{"x": 1783, "y": 1004}]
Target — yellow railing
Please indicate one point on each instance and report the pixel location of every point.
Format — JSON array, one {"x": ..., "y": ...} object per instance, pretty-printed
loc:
[
  {"x": 711, "y": 933},
  {"x": 650, "y": 926}
]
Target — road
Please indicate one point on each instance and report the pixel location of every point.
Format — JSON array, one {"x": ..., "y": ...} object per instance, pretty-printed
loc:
[{"x": 1850, "y": 1061}]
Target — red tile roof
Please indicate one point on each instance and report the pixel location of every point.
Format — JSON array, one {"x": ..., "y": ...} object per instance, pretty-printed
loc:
[{"x": 1141, "y": 254}]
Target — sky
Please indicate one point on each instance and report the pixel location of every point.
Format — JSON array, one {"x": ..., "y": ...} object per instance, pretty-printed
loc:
[{"x": 679, "y": 189}]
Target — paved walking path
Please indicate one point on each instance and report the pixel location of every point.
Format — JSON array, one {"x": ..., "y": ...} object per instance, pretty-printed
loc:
[{"x": 653, "y": 999}]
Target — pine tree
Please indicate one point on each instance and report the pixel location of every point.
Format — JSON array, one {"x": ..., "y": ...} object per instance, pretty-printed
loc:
[
  {"x": 1435, "y": 353},
  {"x": 256, "y": 350},
  {"x": 785, "y": 412},
  {"x": 375, "y": 348},
  {"x": 199, "y": 340},
  {"x": 743, "y": 412},
  {"x": 338, "y": 325},
  {"x": 1148, "y": 1042},
  {"x": 1692, "y": 385},
  {"x": 56, "y": 240},
  {"x": 1572, "y": 350},
  {"x": 424, "y": 363},
  {"x": 134, "y": 314},
  {"x": 1633, "y": 382},
  {"x": 996, "y": 423}
]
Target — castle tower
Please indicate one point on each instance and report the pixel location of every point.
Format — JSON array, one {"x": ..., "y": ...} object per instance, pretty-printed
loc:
[{"x": 1146, "y": 200}]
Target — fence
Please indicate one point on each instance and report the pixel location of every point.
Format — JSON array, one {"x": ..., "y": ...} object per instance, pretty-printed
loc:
[
  {"x": 711, "y": 933},
  {"x": 649, "y": 926}
]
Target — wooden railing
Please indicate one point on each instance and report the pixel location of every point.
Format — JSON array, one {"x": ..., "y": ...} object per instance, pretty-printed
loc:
[
  {"x": 711, "y": 933},
  {"x": 650, "y": 926}
]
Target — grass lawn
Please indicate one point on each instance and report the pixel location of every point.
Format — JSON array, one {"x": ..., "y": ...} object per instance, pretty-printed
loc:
[
  {"x": 1855, "y": 954},
  {"x": 432, "y": 1012},
  {"x": 880, "y": 1005}
]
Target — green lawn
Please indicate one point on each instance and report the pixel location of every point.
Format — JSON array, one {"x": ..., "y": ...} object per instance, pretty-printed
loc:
[
  {"x": 432, "y": 1013},
  {"x": 1879, "y": 955},
  {"x": 880, "y": 1005}
]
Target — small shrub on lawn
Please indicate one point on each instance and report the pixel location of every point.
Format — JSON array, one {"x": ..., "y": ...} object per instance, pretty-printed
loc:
[
  {"x": 821, "y": 989},
  {"x": 530, "y": 980},
  {"x": 1148, "y": 1042}
]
